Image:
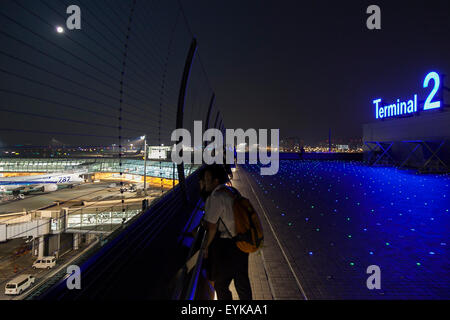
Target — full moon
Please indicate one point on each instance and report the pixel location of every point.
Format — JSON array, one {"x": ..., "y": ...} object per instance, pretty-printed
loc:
[{"x": 59, "y": 29}]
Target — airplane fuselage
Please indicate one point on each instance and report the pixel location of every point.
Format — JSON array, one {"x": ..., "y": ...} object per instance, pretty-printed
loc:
[{"x": 47, "y": 182}]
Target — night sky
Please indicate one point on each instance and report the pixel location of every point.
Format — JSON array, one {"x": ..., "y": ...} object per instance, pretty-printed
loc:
[
  {"x": 303, "y": 67},
  {"x": 306, "y": 66}
]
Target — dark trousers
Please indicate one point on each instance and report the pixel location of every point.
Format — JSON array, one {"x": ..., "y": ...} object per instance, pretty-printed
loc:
[{"x": 230, "y": 263}]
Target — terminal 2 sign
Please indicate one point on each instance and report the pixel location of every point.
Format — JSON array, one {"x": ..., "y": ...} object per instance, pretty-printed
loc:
[{"x": 407, "y": 107}]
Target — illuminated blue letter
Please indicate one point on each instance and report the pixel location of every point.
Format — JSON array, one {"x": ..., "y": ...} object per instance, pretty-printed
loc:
[
  {"x": 410, "y": 106},
  {"x": 376, "y": 102},
  {"x": 428, "y": 104}
]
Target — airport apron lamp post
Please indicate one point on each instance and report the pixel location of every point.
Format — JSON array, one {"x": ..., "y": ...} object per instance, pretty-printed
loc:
[{"x": 145, "y": 163}]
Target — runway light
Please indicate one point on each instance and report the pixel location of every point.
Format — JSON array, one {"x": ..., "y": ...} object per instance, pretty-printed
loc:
[{"x": 59, "y": 29}]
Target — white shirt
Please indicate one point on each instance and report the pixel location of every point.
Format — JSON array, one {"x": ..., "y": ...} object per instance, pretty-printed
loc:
[{"x": 220, "y": 205}]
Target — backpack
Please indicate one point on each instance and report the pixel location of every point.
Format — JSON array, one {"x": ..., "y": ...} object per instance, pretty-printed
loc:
[{"x": 249, "y": 233}]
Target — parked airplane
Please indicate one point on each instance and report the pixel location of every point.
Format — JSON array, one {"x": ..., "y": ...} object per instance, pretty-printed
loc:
[{"x": 44, "y": 183}]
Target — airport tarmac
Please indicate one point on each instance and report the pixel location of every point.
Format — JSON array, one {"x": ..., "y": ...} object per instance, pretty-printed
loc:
[
  {"x": 86, "y": 192},
  {"x": 40, "y": 200}
]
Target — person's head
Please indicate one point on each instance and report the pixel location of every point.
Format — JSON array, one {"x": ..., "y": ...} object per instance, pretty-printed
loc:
[{"x": 211, "y": 176}]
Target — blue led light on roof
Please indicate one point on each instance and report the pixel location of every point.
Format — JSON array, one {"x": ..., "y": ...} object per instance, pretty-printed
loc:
[{"x": 391, "y": 206}]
